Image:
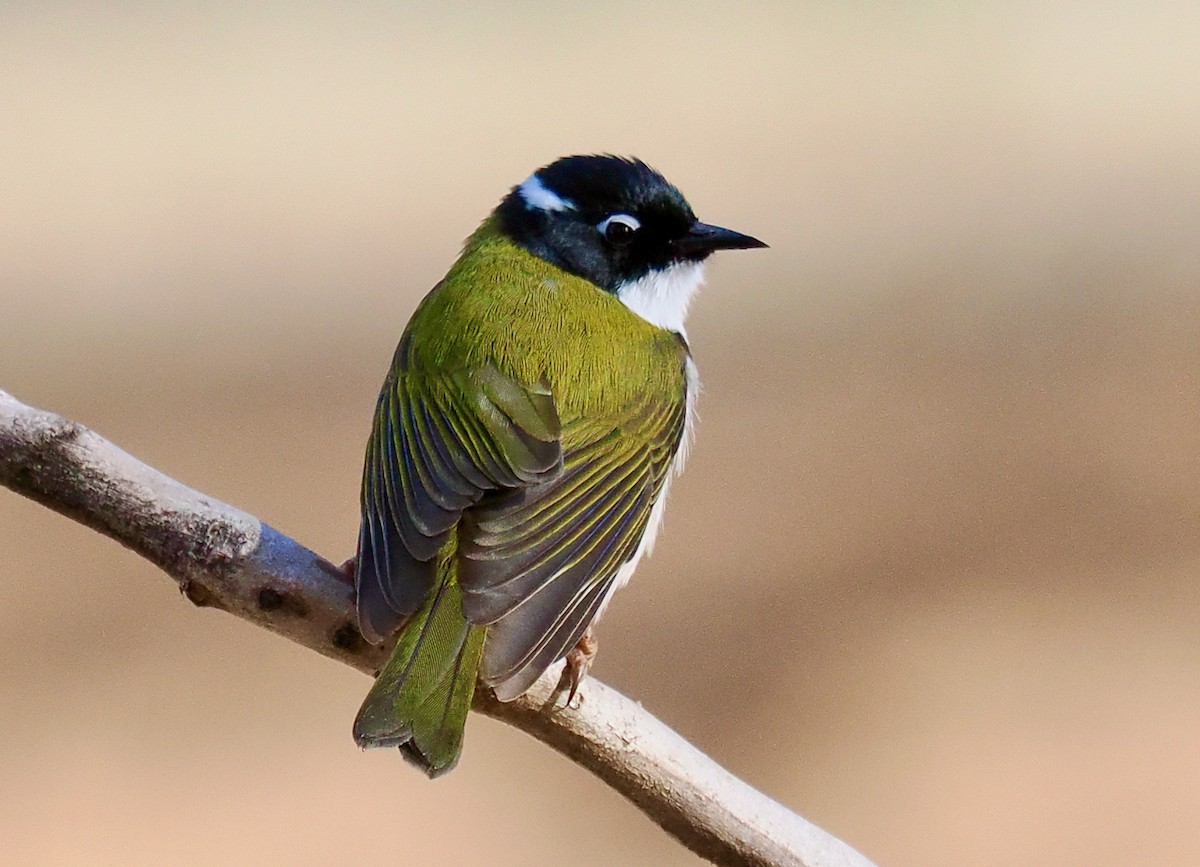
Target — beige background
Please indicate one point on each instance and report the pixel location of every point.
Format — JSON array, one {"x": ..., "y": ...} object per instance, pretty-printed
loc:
[{"x": 931, "y": 577}]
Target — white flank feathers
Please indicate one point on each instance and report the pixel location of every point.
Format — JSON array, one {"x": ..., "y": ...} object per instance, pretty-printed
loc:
[{"x": 660, "y": 504}]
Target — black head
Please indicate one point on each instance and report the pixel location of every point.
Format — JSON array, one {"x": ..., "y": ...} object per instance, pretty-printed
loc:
[{"x": 610, "y": 220}]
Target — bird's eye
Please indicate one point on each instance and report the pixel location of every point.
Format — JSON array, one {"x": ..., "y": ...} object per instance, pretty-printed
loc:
[{"x": 619, "y": 228}]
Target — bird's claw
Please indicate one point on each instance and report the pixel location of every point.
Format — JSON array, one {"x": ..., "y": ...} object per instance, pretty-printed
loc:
[{"x": 578, "y": 661}]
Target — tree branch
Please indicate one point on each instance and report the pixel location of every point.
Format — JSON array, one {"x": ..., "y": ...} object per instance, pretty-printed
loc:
[{"x": 225, "y": 558}]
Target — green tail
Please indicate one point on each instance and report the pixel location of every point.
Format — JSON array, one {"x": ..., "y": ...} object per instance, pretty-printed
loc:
[{"x": 420, "y": 700}]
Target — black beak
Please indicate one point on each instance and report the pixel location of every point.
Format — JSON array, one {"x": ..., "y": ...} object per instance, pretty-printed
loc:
[{"x": 703, "y": 239}]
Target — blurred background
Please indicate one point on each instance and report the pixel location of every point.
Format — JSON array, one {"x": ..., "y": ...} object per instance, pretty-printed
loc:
[{"x": 931, "y": 576}]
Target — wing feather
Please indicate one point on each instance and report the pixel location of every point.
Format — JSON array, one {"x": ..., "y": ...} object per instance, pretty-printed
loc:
[
  {"x": 537, "y": 563},
  {"x": 545, "y": 516},
  {"x": 438, "y": 445}
]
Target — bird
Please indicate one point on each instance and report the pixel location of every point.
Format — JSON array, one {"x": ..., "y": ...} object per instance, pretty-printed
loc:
[{"x": 538, "y": 404}]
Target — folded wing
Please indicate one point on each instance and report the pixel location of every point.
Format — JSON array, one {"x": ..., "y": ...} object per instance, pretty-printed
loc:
[
  {"x": 545, "y": 514},
  {"x": 537, "y": 563},
  {"x": 438, "y": 444}
]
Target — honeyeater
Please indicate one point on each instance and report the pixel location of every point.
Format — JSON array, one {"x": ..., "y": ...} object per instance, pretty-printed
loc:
[{"x": 537, "y": 405}]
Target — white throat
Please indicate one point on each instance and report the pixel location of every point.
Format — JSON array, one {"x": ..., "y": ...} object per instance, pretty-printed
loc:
[{"x": 662, "y": 297}]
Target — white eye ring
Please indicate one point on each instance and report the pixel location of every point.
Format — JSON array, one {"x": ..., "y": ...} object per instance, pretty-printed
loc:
[{"x": 629, "y": 222}]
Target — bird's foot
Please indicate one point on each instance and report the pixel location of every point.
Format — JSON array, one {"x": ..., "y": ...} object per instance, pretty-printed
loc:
[
  {"x": 579, "y": 660},
  {"x": 347, "y": 571}
]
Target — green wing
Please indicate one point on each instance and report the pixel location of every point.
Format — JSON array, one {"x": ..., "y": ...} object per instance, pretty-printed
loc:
[
  {"x": 438, "y": 444},
  {"x": 537, "y": 563},
  {"x": 545, "y": 516}
]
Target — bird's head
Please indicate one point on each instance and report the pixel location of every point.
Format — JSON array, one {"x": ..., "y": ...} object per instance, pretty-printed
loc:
[{"x": 621, "y": 225}]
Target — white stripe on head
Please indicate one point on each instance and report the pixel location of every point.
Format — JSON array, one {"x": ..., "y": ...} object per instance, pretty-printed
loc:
[
  {"x": 537, "y": 195},
  {"x": 662, "y": 297}
]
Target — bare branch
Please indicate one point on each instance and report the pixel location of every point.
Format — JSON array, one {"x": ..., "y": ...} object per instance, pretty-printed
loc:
[{"x": 224, "y": 558}]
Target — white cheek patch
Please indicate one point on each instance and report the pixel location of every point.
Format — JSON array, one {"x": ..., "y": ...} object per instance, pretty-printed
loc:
[
  {"x": 662, "y": 297},
  {"x": 540, "y": 197}
]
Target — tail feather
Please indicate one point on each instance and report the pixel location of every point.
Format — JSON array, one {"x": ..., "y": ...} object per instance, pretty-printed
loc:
[{"x": 421, "y": 698}]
